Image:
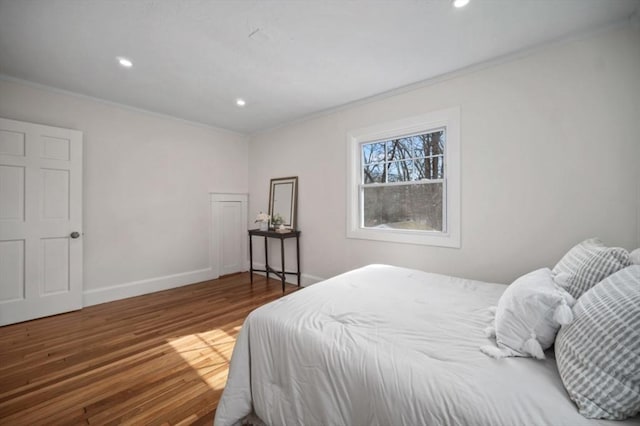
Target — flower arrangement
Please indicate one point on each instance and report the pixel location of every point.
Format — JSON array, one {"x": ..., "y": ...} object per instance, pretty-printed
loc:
[
  {"x": 262, "y": 217},
  {"x": 263, "y": 220},
  {"x": 277, "y": 220}
]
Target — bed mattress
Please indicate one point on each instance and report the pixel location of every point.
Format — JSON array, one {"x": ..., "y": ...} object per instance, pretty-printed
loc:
[{"x": 383, "y": 345}]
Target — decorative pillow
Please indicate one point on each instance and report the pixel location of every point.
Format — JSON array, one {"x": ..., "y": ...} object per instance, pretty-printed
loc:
[
  {"x": 588, "y": 263},
  {"x": 634, "y": 256},
  {"x": 598, "y": 354},
  {"x": 528, "y": 316}
]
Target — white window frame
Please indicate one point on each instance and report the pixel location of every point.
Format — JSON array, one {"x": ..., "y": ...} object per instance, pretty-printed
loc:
[{"x": 447, "y": 118}]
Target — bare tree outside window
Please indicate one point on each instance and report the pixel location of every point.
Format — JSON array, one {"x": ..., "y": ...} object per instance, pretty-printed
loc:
[{"x": 403, "y": 182}]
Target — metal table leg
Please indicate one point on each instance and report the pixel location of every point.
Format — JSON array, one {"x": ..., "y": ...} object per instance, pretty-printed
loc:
[
  {"x": 266, "y": 257},
  {"x": 282, "y": 255},
  {"x": 251, "y": 258},
  {"x": 298, "y": 258}
]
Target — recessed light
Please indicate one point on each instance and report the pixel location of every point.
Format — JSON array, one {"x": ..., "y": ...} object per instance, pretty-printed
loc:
[
  {"x": 124, "y": 62},
  {"x": 460, "y": 3},
  {"x": 240, "y": 102}
]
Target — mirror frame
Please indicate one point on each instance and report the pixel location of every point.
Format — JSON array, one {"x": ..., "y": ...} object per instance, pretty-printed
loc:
[{"x": 294, "y": 199}]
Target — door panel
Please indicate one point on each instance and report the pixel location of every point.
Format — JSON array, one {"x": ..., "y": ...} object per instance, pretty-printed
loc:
[
  {"x": 54, "y": 262},
  {"x": 11, "y": 270},
  {"x": 12, "y": 193},
  {"x": 232, "y": 236},
  {"x": 55, "y": 148},
  {"x": 12, "y": 143},
  {"x": 55, "y": 194},
  {"x": 40, "y": 206}
]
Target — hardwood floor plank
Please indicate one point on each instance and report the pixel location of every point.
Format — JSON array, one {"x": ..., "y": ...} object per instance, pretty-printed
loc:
[{"x": 158, "y": 359}]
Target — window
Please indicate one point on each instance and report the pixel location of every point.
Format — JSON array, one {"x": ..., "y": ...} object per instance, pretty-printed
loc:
[{"x": 404, "y": 182}]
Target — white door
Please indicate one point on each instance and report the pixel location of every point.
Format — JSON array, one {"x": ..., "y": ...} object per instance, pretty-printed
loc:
[
  {"x": 40, "y": 221},
  {"x": 229, "y": 233}
]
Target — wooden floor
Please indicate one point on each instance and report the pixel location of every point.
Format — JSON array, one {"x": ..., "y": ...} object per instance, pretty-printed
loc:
[{"x": 157, "y": 359}]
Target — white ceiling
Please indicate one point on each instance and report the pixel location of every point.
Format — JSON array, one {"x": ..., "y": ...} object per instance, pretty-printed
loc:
[{"x": 288, "y": 59}]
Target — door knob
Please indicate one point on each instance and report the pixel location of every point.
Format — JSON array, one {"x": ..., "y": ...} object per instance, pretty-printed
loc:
[{"x": 74, "y": 234}]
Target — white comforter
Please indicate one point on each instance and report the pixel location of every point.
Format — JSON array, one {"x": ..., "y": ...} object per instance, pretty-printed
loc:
[{"x": 383, "y": 345}]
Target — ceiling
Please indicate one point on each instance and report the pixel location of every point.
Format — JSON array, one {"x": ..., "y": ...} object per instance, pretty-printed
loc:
[{"x": 287, "y": 59}]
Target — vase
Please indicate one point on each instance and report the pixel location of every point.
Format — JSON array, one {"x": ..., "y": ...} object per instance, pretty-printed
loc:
[{"x": 264, "y": 226}]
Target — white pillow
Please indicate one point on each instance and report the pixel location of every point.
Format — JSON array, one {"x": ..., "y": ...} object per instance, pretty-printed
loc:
[
  {"x": 635, "y": 256},
  {"x": 528, "y": 316}
]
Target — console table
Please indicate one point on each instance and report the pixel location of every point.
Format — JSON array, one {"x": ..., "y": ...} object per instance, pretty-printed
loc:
[{"x": 282, "y": 273}]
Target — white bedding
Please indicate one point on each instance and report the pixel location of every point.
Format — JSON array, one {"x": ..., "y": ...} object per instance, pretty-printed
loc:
[{"x": 383, "y": 345}]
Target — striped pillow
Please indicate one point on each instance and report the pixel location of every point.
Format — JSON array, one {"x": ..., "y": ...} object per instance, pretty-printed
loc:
[
  {"x": 598, "y": 354},
  {"x": 587, "y": 264}
]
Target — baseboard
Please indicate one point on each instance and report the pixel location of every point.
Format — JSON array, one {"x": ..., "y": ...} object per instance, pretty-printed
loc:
[
  {"x": 306, "y": 279},
  {"x": 310, "y": 279},
  {"x": 138, "y": 288}
]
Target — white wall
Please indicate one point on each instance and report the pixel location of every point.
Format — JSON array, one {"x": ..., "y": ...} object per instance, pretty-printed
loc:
[
  {"x": 550, "y": 155},
  {"x": 147, "y": 180}
]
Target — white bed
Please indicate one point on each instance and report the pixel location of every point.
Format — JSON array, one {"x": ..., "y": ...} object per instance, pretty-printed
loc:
[{"x": 383, "y": 345}]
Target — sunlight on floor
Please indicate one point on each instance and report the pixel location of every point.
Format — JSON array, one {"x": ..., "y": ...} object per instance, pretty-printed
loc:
[{"x": 208, "y": 353}]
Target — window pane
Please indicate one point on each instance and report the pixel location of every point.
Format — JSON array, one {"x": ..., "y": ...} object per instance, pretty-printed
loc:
[
  {"x": 437, "y": 167},
  {"x": 430, "y": 168},
  {"x": 399, "y": 149},
  {"x": 400, "y": 171},
  {"x": 417, "y": 146},
  {"x": 372, "y": 152},
  {"x": 404, "y": 207},
  {"x": 373, "y": 173},
  {"x": 434, "y": 143}
]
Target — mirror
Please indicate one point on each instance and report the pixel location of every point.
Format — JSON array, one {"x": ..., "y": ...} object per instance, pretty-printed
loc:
[{"x": 283, "y": 200}]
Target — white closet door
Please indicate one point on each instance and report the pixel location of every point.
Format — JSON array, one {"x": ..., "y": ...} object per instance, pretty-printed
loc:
[
  {"x": 40, "y": 221},
  {"x": 229, "y": 239}
]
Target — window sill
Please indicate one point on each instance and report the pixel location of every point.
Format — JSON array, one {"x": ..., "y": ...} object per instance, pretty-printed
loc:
[{"x": 437, "y": 239}]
